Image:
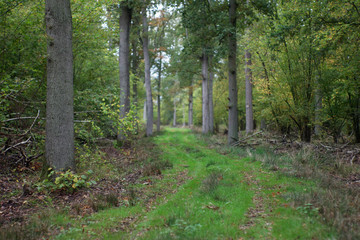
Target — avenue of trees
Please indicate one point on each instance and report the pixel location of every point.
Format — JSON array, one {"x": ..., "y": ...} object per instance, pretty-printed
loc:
[{"x": 73, "y": 72}]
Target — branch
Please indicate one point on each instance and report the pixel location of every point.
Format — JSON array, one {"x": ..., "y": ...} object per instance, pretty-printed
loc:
[
  {"x": 18, "y": 144},
  {"x": 242, "y": 140},
  {"x": 20, "y": 118},
  {"x": 32, "y": 124},
  {"x": 83, "y": 121}
]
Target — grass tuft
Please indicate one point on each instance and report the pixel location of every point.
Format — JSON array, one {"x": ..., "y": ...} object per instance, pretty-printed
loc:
[{"x": 211, "y": 182}]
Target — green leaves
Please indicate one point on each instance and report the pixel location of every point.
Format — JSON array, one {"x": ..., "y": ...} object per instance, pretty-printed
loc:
[{"x": 64, "y": 181}]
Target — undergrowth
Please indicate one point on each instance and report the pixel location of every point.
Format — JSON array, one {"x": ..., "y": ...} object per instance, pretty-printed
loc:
[{"x": 333, "y": 196}]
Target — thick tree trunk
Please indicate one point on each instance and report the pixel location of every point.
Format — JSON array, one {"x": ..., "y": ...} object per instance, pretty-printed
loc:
[
  {"x": 248, "y": 93},
  {"x": 149, "y": 103},
  {"x": 158, "y": 96},
  {"x": 233, "y": 126},
  {"x": 190, "y": 123},
  {"x": 124, "y": 64},
  {"x": 205, "y": 93},
  {"x": 211, "y": 103},
  {"x": 59, "y": 144}
]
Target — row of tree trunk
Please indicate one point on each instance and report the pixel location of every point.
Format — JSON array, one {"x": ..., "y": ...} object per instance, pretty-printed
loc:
[
  {"x": 59, "y": 144},
  {"x": 207, "y": 86},
  {"x": 60, "y": 119}
]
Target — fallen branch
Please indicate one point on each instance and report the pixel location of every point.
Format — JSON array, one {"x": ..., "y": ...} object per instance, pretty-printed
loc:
[
  {"x": 242, "y": 140},
  {"x": 20, "y": 118},
  {"x": 16, "y": 145},
  {"x": 326, "y": 147},
  {"x": 32, "y": 124}
]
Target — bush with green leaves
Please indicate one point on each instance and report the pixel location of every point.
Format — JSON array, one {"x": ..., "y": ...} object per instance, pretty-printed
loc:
[
  {"x": 64, "y": 181},
  {"x": 111, "y": 110}
]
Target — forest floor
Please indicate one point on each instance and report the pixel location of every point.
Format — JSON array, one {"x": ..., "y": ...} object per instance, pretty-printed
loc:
[{"x": 178, "y": 185}]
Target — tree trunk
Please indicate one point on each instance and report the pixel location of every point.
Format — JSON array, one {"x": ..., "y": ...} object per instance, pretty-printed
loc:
[
  {"x": 174, "y": 117},
  {"x": 354, "y": 104},
  {"x": 211, "y": 103},
  {"x": 144, "y": 112},
  {"x": 248, "y": 93},
  {"x": 190, "y": 106},
  {"x": 59, "y": 144},
  {"x": 205, "y": 93},
  {"x": 124, "y": 64},
  {"x": 233, "y": 126},
  {"x": 318, "y": 107},
  {"x": 158, "y": 96},
  {"x": 183, "y": 109},
  {"x": 149, "y": 103},
  {"x": 305, "y": 133}
]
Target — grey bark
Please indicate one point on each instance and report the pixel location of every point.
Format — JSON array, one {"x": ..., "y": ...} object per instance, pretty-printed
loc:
[
  {"x": 190, "y": 121},
  {"x": 184, "y": 121},
  {"x": 233, "y": 112},
  {"x": 211, "y": 102},
  {"x": 124, "y": 63},
  {"x": 158, "y": 96},
  {"x": 149, "y": 103},
  {"x": 248, "y": 90},
  {"x": 205, "y": 93},
  {"x": 59, "y": 144},
  {"x": 248, "y": 93}
]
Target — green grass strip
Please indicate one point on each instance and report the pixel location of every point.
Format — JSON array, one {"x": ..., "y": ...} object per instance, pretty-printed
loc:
[{"x": 224, "y": 197}]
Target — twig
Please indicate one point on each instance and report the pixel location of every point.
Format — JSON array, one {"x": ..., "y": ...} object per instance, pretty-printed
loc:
[
  {"x": 352, "y": 160},
  {"x": 32, "y": 123},
  {"x": 242, "y": 140},
  {"x": 18, "y": 144},
  {"x": 95, "y": 111},
  {"x": 326, "y": 147},
  {"x": 343, "y": 146},
  {"x": 20, "y": 118}
]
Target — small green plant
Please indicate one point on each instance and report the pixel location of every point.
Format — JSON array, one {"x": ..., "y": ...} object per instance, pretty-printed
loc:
[
  {"x": 179, "y": 228},
  {"x": 64, "y": 181},
  {"x": 308, "y": 209}
]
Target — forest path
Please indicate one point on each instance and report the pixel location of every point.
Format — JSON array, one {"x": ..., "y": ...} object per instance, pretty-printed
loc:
[{"x": 218, "y": 196}]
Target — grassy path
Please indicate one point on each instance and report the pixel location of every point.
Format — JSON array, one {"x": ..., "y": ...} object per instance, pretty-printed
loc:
[{"x": 206, "y": 195}]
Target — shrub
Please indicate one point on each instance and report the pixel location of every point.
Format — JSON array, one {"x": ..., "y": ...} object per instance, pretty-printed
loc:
[{"x": 64, "y": 181}]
